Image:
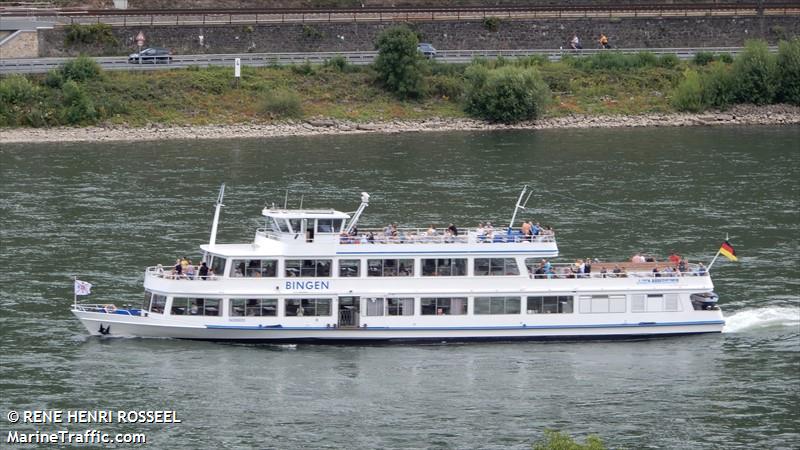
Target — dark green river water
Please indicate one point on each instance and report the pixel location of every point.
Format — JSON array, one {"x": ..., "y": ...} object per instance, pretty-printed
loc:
[{"x": 104, "y": 211}]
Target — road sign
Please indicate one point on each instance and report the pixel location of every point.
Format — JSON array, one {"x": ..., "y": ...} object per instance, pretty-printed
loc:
[{"x": 237, "y": 67}]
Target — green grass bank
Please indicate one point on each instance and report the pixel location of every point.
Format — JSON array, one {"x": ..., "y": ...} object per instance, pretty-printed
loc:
[{"x": 605, "y": 84}]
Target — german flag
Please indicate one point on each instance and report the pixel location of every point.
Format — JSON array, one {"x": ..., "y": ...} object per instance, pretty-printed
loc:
[{"x": 728, "y": 251}]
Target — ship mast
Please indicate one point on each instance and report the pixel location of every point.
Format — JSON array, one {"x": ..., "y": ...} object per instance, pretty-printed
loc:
[
  {"x": 213, "y": 239},
  {"x": 520, "y": 204}
]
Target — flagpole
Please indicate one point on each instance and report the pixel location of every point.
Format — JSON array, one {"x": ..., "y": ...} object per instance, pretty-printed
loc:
[
  {"x": 74, "y": 294},
  {"x": 708, "y": 269}
]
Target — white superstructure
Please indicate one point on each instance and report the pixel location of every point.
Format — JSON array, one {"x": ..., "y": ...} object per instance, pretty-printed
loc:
[{"x": 312, "y": 276}]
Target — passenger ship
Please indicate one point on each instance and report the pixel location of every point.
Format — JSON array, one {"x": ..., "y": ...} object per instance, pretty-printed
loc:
[{"x": 312, "y": 276}]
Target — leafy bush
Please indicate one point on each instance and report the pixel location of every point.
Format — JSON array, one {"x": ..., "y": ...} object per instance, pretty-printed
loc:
[
  {"x": 81, "y": 68},
  {"x": 555, "y": 440},
  {"x": 507, "y": 94},
  {"x": 718, "y": 87},
  {"x": 95, "y": 33},
  {"x": 688, "y": 95},
  {"x": 399, "y": 64},
  {"x": 789, "y": 71},
  {"x": 756, "y": 74},
  {"x": 78, "y": 107},
  {"x": 303, "y": 69},
  {"x": 613, "y": 61},
  {"x": 726, "y": 58},
  {"x": 17, "y": 90},
  {"x": 703, "y": 58},
  {"x": 338, "y": 63},
  {"x": 491, "y": 23},
  {"x": 448, "y": 87},
  {"x": 668, "y": 60},
  {"x": 646, "y": 59},
  {"x": 281, "y": 103},
  {"x": 54, "y": 79}
]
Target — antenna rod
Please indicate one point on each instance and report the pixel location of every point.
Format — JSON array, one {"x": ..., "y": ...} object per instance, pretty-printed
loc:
[
  {"x": 286, "y": 199},
  {"x": 213, "y": 239},
  {"x": 519, "y": 205}
]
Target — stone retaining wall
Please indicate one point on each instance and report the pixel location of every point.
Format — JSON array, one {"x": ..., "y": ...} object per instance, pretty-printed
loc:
[
  {"x": 25, "y": 44},
  {"x": 511, "y": 34}
]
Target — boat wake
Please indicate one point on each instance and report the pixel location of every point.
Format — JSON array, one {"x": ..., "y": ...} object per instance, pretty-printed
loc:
[{"x": 771, "y": 317}]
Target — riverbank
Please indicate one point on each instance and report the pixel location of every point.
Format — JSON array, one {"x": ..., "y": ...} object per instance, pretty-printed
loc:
[{"x": 739, "y": 115}]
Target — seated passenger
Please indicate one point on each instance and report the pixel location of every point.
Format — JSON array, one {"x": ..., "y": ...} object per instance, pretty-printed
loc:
[
  {"x": 674, "y": 258},
  {"x": 656, "y": 273},
  {"x": 603, "y": 272}
]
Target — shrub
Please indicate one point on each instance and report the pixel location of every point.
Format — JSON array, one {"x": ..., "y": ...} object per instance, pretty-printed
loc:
[
  {"x": 311, "y": 32},
  {"x": 78, "y": 107},
  {"x": 17, "y": 90},
  {"x": 718, "y": 86},
  {"x": 54, "y": 79},
  {"x": 95, "y": 33},
  {"x": 399, "y": 64},
  {"x": 646, "y": 59},
  {"x": 555, "y": 440},
  {"x": 80, "y": 69},
  {"x": 491, "y": 23},
  {"x": 755, "y": 71},
  {"x": 449, "y": 87},
  {"x": 668, "y": 60},
  {"x": 507, "y": 94},
  {"x": 703, "y": 58},
  {"x": 789, "y": 71},
  {"x": 688, "y": 95},
  {"x": 338, "y": 63},
  {"x": 281, "y": 103},
  {"x": 303, "y": 69},
  {"x": 726, "y": 58}
]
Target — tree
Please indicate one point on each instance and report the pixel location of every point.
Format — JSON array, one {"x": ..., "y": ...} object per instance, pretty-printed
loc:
[
  {"x": 789, "y": 71},
  {"x": 755, "y": 72},
  {"x": 507, "y": 94},
  {"x": 399, "y": 64}
]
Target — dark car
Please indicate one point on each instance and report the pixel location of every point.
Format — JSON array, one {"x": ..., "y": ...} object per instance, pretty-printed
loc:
[
  {"x": 151, "y": 55},
  {"x": 427, "y": 50}
]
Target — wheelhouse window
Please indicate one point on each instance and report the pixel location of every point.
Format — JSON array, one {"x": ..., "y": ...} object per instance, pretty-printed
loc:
[
  {"x": 308, "y": 268},
  {"x": 218, "y": 265},
  {"x": 374, "y": 306},
  {"x": 443, "y": 306},
  {"x": 550, "y": 304},
  {"x": 329, "y": 225},
  {"x": 400, "y": 306},
  {"x": 495, "y": 266},
  {"x": 253, "y": 307},
  {"x": 497, "y": 305},
  {"x": 297, "y": 307},
  {"x": 148, "y": 296},
  {"x": 182, "y": 306},
  {"x": 349, "y": 268},
  {"x": 390, "y": 267},
  {"x": 254, "y": 268},
  {"x": 297, "y": 225},
  {"x": 158, "y": 304},
  {"x": 444, "y": 267}
]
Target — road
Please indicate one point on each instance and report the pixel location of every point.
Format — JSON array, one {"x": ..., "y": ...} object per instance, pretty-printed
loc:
[{"x": 42, "y": 65}]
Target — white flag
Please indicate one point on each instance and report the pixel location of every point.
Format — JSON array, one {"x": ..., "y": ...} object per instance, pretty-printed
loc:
[{"x": 82, "y": 288}]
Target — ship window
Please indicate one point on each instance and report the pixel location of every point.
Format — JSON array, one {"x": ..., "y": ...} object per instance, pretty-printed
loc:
[
  {"x": 273, "y": 224},
  {"x": 308, "y": 268},
  {"x": 443, "y": 306},
  {"x": 447, "y": 267},
  {"x": 253, "y": 307},
  {"x": 283, "y": 225},
  {"x": 390, "y": 267},
  {"x": 182, "y": 306},
  {"x": 218, "y": 265},
  {"x": 655, "y": 302},
  {"x": 671, "y": 302},
  {"x": 399, "y": 306},
  {"x": 158, "y": 304},
  {"x": 602, "y": 304},
  {"x": 495, "y": 266},
  {"x": 550, "y": 304},
  {"x": 254, "y": 268},
  {"x": 349, "y": 267},
  {"x": 374, "y": 306},
  {"x": 296, "y": 224},
  {"x": 324, "y": 225},
  {"x": 637, "y": 303},
  {"x": 337, "y": 225},
  {"x": 297, "y": 307},
  {"x": 146, "y": 303},
  {"x": 497, "y": 305}
]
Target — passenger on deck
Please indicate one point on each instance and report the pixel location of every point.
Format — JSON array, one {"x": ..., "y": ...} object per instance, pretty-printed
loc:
[
  {"x": 603, "y": 272},
  {"x": 363, "y": 239},
  {"x": 489, "y": 231},
  {"x": 190, "y": 270},
  {"x": 638, "y": 258},
  {"x": 431, "y": 230},
  {"x": 160, "y": 270},
  {"x": 700, "y": 270},
  {"x": 683, "y": 266},
  {"x": 203, "y": 271},
  {"x": 674, "y": 258},
  {"x": 453, "y": 230},
  {"x": 177, "y": 270},
  {"x": 617, "y": 272},
  {"x": 387, "y": 231},
  {"x": 480, "y": 232},
  {"x": 536, "y": 229},
  {"x": 526, "y": 230},
  {"x": 587, "y": 267},
  {"x": 371, "y": 237},
  {"x": 668, "y": 271},
  {"x": 656, "y": 273},
  {"x": 184, "y": 264},
  {"x": 354, "y": 232}
]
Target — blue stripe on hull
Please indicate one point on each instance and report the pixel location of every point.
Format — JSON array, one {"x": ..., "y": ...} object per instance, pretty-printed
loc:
[
  {"x": 440, "y": 341},
  {"x": 532, "y": 327}
]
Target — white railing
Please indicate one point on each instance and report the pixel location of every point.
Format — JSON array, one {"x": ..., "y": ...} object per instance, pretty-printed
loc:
[
  {"x": 566, "y": 270},
  {"x": 423, "y": 236},
  {"x": 106, "y": 309},
  {"x": 167, "y": 273}
]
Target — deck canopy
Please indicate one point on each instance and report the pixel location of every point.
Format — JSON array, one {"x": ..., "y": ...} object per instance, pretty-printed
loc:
[{"x": 307, "y": 221}]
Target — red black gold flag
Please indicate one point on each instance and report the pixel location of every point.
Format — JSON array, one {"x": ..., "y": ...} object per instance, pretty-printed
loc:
[{"x": 728, "y": 251}]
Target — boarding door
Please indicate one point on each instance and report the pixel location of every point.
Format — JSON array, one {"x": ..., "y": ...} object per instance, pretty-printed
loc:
[{"x": 348, "y": 311}]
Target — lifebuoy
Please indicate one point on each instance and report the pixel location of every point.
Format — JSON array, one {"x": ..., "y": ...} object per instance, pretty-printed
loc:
[{"x": 109, "y": 308}]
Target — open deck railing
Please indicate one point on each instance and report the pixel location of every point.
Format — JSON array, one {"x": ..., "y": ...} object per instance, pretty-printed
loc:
[
  {"x": 566, "y": 270},
  {"x": 161, "y": 271},
  {"x": 422, "y": 236},
  {"x": 107, "y": 309}
]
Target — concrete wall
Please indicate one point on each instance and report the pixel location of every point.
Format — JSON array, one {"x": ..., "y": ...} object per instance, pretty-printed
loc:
[
  {"x": 23, "y": 44},
  {"x": 549, "y": 33}
]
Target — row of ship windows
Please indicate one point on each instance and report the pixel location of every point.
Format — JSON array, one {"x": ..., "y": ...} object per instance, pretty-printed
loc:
[
  {"x": 405, "y": 306},
  {"x": 321, "y": 268}
]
